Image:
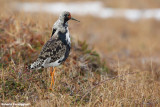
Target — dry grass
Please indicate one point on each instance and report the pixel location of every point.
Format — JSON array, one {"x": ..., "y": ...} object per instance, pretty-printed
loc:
[{"x": 133, "y": 80}]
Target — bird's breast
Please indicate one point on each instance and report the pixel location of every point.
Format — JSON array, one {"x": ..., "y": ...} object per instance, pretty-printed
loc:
[{"x": 68, "y": 39}]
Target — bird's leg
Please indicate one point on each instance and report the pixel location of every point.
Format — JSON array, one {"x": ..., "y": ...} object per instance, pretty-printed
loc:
[
  {"x": 52, "y": 74},
  {"x": 51, "y": 70}
]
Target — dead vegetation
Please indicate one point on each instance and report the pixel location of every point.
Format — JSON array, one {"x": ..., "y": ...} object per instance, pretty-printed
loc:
[{"x": 131, "y": 77}]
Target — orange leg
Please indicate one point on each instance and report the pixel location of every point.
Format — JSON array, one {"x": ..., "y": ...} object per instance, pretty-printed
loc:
[
  {"x": 52, "y": 74},
  {"x": 51, "y": 70}
]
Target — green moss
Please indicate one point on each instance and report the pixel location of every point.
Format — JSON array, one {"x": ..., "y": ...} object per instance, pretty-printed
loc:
[
  {"x": 11, "y": 88},
  {"x": 93, "y": 57},
  {"x": 1, "y": 65},
  {"x": 1, "y": 30}
]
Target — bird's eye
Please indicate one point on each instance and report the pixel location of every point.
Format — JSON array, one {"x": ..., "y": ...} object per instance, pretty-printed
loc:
[{"x": 69, "y": 16}]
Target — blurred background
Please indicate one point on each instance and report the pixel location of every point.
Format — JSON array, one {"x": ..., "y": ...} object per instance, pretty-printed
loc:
[{"x": 124, "y": 32}]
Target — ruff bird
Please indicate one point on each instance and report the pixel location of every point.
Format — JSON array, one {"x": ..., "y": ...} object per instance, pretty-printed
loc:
[{"x": 57, "y": 48}]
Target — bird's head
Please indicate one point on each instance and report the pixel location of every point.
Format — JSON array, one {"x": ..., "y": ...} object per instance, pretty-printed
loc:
[{"x": 67, "y": 16}]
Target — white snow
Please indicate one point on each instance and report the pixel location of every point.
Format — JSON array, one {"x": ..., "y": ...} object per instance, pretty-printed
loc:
[{"x": 95, "y": 9}]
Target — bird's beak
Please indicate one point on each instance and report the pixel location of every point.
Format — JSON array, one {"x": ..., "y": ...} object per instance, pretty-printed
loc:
[{"x": 74, "y": 19}]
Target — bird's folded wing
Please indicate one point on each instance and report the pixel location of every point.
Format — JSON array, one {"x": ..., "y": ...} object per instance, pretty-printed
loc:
[{"x": 54, "y": 49}]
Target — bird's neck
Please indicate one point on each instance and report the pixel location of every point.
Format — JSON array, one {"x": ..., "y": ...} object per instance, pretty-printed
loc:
[
  {"x": 63, "y": 22},
  {"x": 64, "y": 36},
  {"x": 62, "y": 28}
]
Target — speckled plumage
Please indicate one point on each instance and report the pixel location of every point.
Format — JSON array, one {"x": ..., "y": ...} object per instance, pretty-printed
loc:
[
  {"x": 57, "y": 48},
  {"x": 52, "y": 51}
]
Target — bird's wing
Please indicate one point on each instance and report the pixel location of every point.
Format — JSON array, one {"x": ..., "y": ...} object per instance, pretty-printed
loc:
[{"x": 53, "y": 50}]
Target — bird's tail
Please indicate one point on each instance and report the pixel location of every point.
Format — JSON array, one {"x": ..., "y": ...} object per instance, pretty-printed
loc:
[
  {"x": 36, "y": 65},
  {"x": 29, "y": 67},
  {"x": 32, "y": 66}
]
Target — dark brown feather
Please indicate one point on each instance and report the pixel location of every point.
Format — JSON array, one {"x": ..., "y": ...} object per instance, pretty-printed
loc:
[{"x": 54, "y": 48}]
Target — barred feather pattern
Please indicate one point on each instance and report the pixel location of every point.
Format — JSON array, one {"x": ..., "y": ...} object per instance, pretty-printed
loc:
[{"x": 52, "y": 51}]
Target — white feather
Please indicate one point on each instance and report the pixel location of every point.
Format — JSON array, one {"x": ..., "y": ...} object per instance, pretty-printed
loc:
[
  {"x": 68, "y": 37},
  {"x": 53, "y": 64}
]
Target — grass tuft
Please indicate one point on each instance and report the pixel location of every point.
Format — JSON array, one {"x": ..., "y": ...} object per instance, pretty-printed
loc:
[{"x": 84, "y": 79}]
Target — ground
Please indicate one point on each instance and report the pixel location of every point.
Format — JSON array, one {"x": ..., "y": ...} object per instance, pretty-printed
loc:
[{"x": 113, "y": 62}]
